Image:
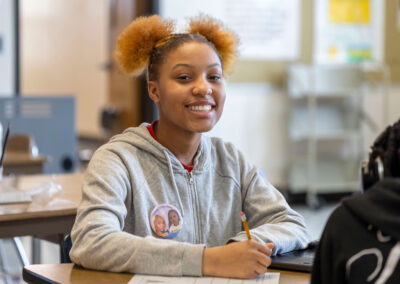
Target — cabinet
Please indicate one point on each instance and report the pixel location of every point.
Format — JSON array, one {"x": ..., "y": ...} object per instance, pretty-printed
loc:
[{"x": 326, "y": 131}]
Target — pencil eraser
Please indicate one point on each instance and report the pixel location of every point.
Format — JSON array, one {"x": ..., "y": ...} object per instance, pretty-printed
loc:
[{"x": 241, "y": 213}]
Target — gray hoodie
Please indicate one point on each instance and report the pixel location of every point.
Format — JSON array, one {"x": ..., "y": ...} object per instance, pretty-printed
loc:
[{"x": 132, "y": 174}]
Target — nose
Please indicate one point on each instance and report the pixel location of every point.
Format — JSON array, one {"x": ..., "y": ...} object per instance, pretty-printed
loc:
[{"x": 202, "y": 88}]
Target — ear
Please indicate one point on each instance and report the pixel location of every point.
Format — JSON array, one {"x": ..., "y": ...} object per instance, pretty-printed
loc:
[{"x": 154, "y": 91}]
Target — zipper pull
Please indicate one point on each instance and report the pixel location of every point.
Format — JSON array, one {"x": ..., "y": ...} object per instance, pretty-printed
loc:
[{"x": 191, "y": 181}]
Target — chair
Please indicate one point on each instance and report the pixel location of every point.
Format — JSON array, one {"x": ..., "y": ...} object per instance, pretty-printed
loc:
[
  {"x": 66, "y": 245},
  {"x": 22, "y": 156},
  {"x": 22, "y": 143}
]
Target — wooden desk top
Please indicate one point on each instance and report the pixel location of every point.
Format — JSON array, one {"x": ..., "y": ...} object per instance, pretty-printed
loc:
[
  {"x": 45, "y": 215},
  {"x": 69, "y": 273},
  {"x": 65, "y": 202}
]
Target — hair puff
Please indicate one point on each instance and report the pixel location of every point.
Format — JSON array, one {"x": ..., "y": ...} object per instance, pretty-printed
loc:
[
  {"x": 136, "y": 42},
  {"x": 223, "y": 39}
]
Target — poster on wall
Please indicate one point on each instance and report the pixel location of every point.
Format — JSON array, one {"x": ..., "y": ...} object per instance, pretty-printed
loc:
[
  {"x": 268, "y": 29},
  {"x": 348, "y": 31}
]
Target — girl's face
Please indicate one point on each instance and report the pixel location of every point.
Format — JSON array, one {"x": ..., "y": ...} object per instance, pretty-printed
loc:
[
  {"x": 159, "y": 224},
  {"x": 190, "y": 91},
  {"x": 173, "y": 218}
]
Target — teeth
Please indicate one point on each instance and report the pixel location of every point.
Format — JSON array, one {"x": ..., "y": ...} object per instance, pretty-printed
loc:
[{"x": 201, "y": 108}]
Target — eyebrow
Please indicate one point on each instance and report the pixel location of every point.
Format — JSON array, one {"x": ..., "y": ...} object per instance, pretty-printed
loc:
[{"x": 192, "y": 66}]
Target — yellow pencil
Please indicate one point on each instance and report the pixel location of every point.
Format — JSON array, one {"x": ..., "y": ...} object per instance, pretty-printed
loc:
[{"x": 246, "y": 227}]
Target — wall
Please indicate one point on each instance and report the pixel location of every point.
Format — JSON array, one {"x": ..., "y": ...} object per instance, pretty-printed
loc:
[
  {"x": 255, "y": 121},
  {"x": 7, "y": 48},
  {"x": 274, "y": 72},
  {"x": 261, "y": 119},
  {"x": 392, "y": 39},
  {"x": 64, "y": 49}
]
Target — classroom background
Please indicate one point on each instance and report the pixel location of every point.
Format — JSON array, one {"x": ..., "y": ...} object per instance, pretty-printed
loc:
[{"x": 315, "y": 82}]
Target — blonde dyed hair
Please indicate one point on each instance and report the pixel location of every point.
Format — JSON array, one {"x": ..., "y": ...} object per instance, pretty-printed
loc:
[{"x": 146, "y": 42}]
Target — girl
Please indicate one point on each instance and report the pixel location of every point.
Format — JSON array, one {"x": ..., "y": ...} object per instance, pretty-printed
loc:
[
  {"x": 159, "y": 226},
  {"x": 207, "y": 181},
  {"x": 174, "y": 221}
]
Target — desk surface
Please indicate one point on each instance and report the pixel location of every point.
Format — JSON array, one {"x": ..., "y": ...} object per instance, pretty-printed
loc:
[
  {"x": 44, "y": 215},
  {"x": 70, "y": 273}
]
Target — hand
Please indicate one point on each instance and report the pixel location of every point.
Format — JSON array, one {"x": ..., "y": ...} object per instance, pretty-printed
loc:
[{"x": 243, "y": 260}]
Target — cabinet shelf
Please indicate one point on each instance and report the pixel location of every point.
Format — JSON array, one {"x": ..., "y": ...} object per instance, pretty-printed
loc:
[
  {"x": 325, "y": 128},
  {"x": 337, "y": 135},
  {"x": 332, "y": 175},
  {"x": 323, "y": 96}
]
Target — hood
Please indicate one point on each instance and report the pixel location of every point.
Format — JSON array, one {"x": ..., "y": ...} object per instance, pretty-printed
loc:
[
  {"x": 140, "y": 138},
  {"x": 379, "y": 206}
]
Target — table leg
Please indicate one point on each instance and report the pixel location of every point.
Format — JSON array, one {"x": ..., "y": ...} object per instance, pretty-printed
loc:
[
  {"x": 4, "y": 264},
  {"x": 21, "y": 251},
  {"x": 36, "y": 257}
]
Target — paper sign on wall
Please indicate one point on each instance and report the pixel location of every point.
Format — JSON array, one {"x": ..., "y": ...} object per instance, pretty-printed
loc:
[
  {"x": 349, "y": 11},
  {"x": 348, "y": 31},
  {"x": 268, "y": 29}
]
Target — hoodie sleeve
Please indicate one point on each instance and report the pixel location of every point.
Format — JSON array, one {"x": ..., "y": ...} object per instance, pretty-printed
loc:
[
  {"x": 269, "y": 216},
  {"x": 98, "y": 239}
]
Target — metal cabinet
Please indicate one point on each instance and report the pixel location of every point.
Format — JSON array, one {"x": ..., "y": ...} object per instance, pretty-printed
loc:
[{"x": 326, "y": 129}]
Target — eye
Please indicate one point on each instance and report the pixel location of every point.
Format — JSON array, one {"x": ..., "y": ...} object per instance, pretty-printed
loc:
[
  {"x": 183, "y": 77},
  {"x": 215, "y": 77}
]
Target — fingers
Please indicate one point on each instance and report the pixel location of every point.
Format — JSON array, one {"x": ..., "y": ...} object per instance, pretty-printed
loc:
[
  {"x": 260, "y": 269},
  {"x": 264, "y": 248},
  {"x": 263, "y": 259}
]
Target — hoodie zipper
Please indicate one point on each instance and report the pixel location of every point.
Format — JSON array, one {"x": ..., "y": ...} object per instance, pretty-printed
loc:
[{"x": 193, "y": 198}]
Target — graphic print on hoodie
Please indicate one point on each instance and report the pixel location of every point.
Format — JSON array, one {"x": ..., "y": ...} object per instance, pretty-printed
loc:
[{"x": 361, "y": 241}]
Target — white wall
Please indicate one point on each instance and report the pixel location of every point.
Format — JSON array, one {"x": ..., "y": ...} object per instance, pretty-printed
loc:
[
  {"x": 394, "y": 103},
  {"x": 7, "y": 48},
  {"x": 255, "y": 121},
  {"x": 64, "y": 46}
]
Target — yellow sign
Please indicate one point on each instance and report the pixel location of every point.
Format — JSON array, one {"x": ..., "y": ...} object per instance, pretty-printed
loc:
[{"x": 349, "y": 11}]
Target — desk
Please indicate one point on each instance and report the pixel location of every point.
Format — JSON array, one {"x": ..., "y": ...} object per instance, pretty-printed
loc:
[
  {"x": 70, "y": 273},
  {"x": 23, "y": 163},
  {"x": 43, "y": 216}
]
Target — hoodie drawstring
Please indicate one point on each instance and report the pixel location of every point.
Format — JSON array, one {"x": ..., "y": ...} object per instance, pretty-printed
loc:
[{"x": 171, "y": 172}]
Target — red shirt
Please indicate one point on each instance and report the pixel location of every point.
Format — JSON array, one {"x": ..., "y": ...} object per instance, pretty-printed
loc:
[{"x": 150, "y": 128}]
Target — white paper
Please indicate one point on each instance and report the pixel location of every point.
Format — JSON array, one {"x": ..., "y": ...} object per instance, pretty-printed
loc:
[
  {"x": 268, "y": 29},
  {"x": 267, "y": 278},
  {"x": 14, "y": 197}
]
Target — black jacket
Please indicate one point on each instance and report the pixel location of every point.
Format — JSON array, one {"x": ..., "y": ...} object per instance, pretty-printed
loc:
[{"x": 361, "y": 240}]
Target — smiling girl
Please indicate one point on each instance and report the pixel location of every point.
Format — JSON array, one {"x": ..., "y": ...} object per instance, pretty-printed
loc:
[{"x": 170, "y": 165}]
